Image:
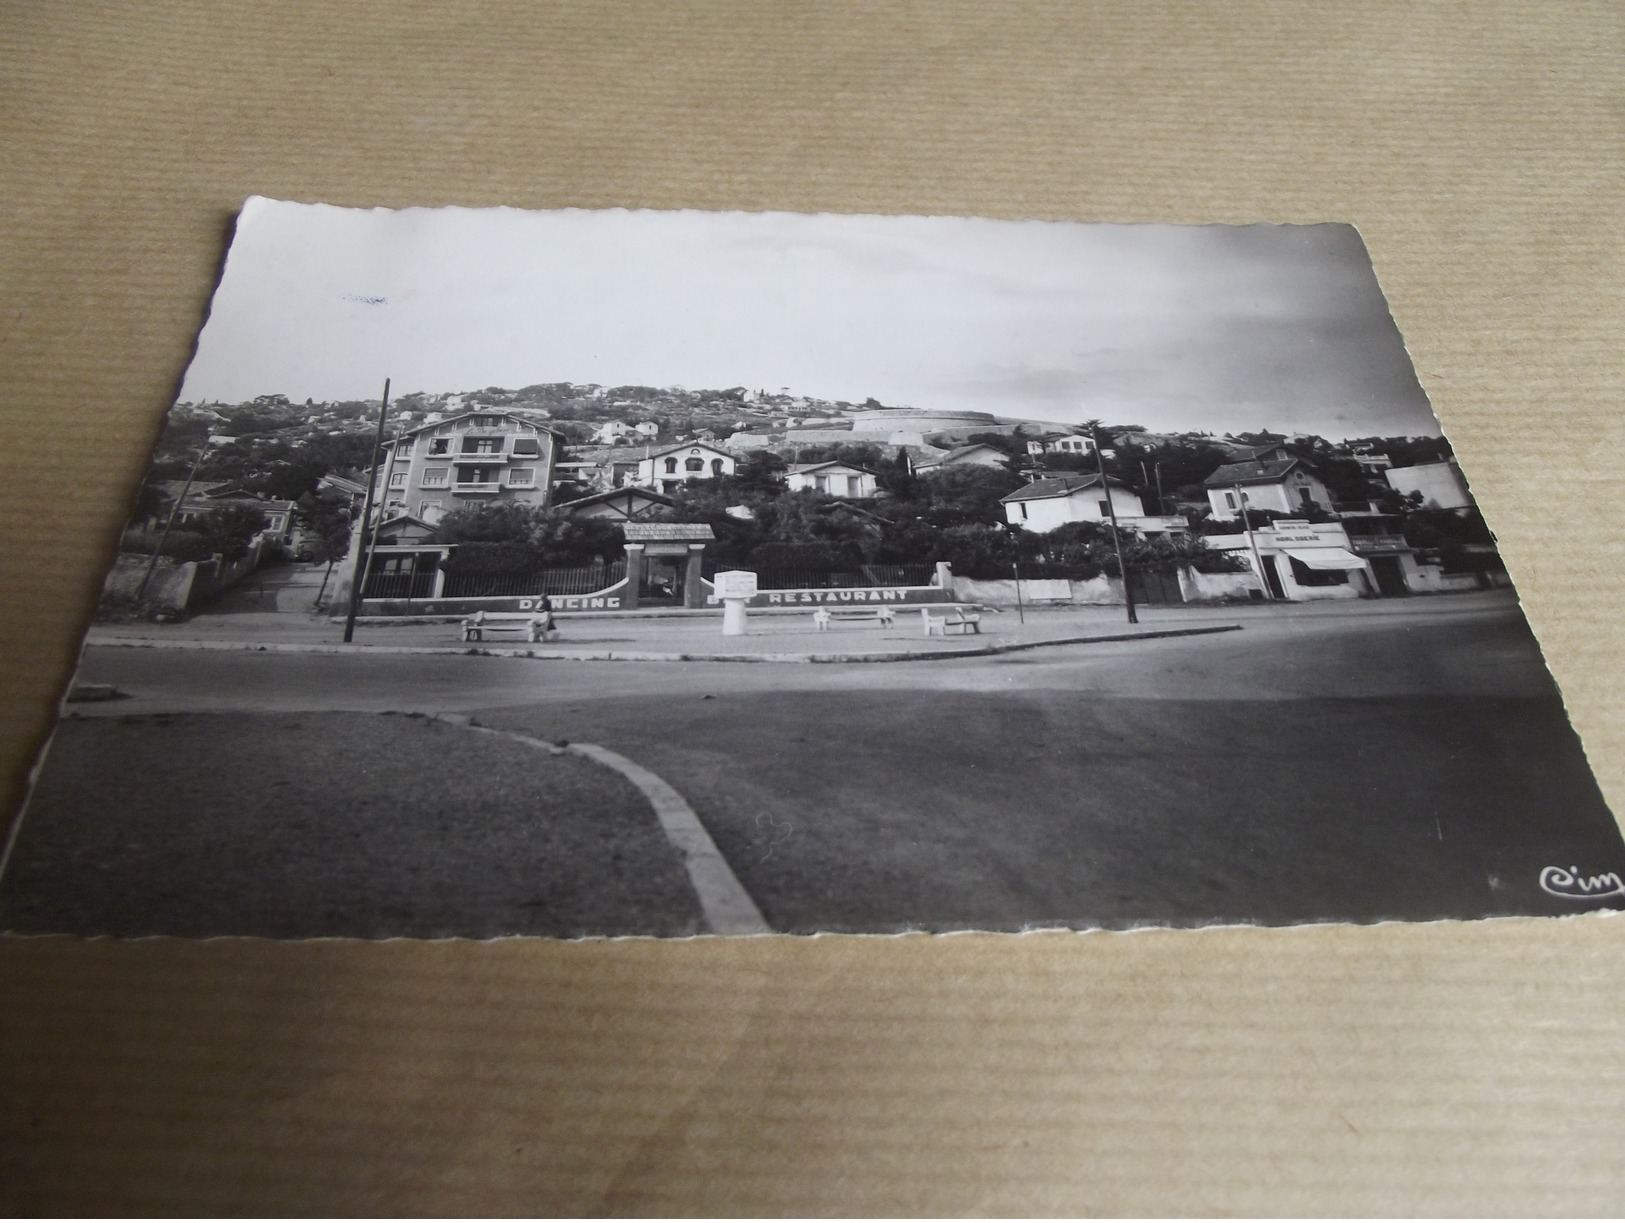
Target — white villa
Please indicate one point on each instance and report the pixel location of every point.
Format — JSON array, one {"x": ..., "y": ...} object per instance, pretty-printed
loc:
[{"x": 836, "y": 479}]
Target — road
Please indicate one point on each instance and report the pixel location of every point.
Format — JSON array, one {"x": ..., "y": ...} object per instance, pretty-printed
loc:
[{"x": 1328, "y": 767}]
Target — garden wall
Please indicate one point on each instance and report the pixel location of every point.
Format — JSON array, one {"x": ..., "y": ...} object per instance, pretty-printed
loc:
[{"x": 171, "y": 584}]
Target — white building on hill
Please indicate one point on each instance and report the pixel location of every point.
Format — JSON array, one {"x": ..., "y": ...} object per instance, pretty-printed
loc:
[
  {"x": 1043, "y": 505},
  {"x": 674, "y": 466},
  {"x": 836, "y": 479},
  {"x": 465, "y": 460}
]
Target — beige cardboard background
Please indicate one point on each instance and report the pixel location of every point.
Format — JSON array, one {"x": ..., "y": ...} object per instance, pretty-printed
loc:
[{"x": 1395, "y": 1069}]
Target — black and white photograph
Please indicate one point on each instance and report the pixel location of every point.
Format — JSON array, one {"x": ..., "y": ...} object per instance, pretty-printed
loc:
[{"x": 595, "y": 574}]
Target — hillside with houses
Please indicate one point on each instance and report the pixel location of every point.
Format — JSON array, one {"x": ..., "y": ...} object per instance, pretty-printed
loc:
[{"x": 514, "y": 484}]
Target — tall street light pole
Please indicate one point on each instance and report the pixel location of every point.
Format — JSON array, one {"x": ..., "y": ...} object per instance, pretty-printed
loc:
[
  {"x": 363, "y": 560},
  {"x": 1246, "y": 524},
  {"x": 1117, "y": 538},
  {"x": 174, "y": 511}
]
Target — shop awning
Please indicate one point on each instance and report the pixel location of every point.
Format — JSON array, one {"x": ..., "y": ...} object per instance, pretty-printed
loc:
[{"x": 1325, "y": 558}]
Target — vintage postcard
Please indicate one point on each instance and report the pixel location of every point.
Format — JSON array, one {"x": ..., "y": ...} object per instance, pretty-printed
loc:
[{"x": 632, "y": 573}]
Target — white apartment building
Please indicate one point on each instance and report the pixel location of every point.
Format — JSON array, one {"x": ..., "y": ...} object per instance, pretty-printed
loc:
[{"x": 467, "y": 459}]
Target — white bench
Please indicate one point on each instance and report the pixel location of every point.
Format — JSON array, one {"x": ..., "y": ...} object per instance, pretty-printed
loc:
[
  {"x": 532, "y": 626},
  {"x": 822, "y": 617},
  {"x": 960, "y": 619}
]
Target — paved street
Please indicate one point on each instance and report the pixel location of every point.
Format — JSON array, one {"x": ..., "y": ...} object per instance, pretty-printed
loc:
[{"x": 1404, "y": 759}]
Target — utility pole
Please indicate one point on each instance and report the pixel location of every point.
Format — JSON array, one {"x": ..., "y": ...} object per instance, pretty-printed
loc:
[
  {"x": 174, "y": 510},
  {"x": 363, "y": 560},
  {"x": 1117, "y": 539},
  {"x": 1258, "y": 560}
]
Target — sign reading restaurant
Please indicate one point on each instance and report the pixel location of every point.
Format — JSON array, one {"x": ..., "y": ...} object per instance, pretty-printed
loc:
[{"x": 865, "y": 594}]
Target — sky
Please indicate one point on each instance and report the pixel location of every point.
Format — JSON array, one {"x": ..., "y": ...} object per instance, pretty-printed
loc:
[{"x": 1216, "y": 328}]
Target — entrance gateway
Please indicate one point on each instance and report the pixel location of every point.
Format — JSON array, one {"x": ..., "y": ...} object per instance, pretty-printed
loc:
[{"x": 663, "y": 561}]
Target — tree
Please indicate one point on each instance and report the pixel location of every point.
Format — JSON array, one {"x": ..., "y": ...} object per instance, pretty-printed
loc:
[
  {"x": 866, "y": 455},
  {"x": 967, "y": 492},
  {"x": 898, "y": 479},
  {"x": 324, "y": 526},
  {"x": 229, "y": 529},
  {"x": 760, "y": 472},
  {"x": 528, "y": 536}
]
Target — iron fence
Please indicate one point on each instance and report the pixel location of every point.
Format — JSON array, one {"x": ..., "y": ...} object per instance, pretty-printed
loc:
[
  {"x": 584, "y": 581},
  {"x": 388, "y": 584}
]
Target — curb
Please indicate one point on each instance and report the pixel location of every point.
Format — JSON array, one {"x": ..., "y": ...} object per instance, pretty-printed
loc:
[
  {"x": 727, "y": 906},
  {"x": 148, "y": 643}
]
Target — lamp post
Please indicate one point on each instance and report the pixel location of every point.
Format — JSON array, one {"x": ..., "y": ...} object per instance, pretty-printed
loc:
[
  {"x": 1246, "y": 525},
  {"x": 174, "y": 510},
  {"x": 363, "y": 560},
  {"x": 1117, "y": 539}
]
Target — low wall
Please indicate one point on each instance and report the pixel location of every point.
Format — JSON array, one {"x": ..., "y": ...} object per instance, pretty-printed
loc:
[
  {"x": 1218, "y": 587},
  {"x": 1431, "y": 579},
  {"x": 1001, "y": 592},
  {"x": 1195, "y": 587},
  {"x": 214, "y": 575},
  {"x": 171, "y": 584},
  {"x": 611, "y": 598},
  {"x": 177, "y": 585}
]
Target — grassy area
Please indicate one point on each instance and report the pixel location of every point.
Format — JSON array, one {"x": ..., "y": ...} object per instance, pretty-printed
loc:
[{"x": 340, "y": 824}]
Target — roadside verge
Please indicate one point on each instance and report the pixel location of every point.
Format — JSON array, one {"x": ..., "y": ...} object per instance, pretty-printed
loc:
[{"x": 567, "y": 655}]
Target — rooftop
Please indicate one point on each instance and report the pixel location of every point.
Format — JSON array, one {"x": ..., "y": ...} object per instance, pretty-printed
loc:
[
  {"x": 1056, "y": 486},
  {"x": 1250, "y": 473}
]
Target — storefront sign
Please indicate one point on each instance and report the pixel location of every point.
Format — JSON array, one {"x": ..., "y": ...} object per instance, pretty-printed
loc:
[{"x": 1282, "y": 538}]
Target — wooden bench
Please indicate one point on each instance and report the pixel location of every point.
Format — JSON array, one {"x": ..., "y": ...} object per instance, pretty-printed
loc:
[
  {"x": 532, "y": 626},
  {"x": 962, "y": 619},
  {"x": 879, "y": 611}
]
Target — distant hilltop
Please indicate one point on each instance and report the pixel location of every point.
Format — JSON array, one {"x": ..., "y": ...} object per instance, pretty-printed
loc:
[
  {"x": 579, "y": 410},
  {"x": 587, "y": 414}
]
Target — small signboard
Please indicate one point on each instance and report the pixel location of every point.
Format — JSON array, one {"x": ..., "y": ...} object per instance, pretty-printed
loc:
[{"x": 735, "y": 584}]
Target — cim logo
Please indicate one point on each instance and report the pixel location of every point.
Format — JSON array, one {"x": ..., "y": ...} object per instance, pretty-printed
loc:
[{"x": 1571, "y": 885}]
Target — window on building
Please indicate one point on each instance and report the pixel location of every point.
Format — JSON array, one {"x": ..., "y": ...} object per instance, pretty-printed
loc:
[
  {"x": 440, "y": 445},
  {"x": 527, "y": 446},
  {"x": 435, "y": 477},
  {"x": 716, "y": 467},
  {"x": 477, "y": 475},
  {"x": 482, "y": 445},
  {"x": 429, "y": 511},
  {"x": 1305, "y": 496},
  {"x": 397, "y": 479},
  {"x": 522, "y": 477},
  {"x": 1230, "y": 500},
  {"x": 694, "y": 465},
  {"x": 1105, "y": 509},
  {"x": 1022, "y": 506},
  {"x": 404, "y": 448},
  {"x": 671, "y": 466}
]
